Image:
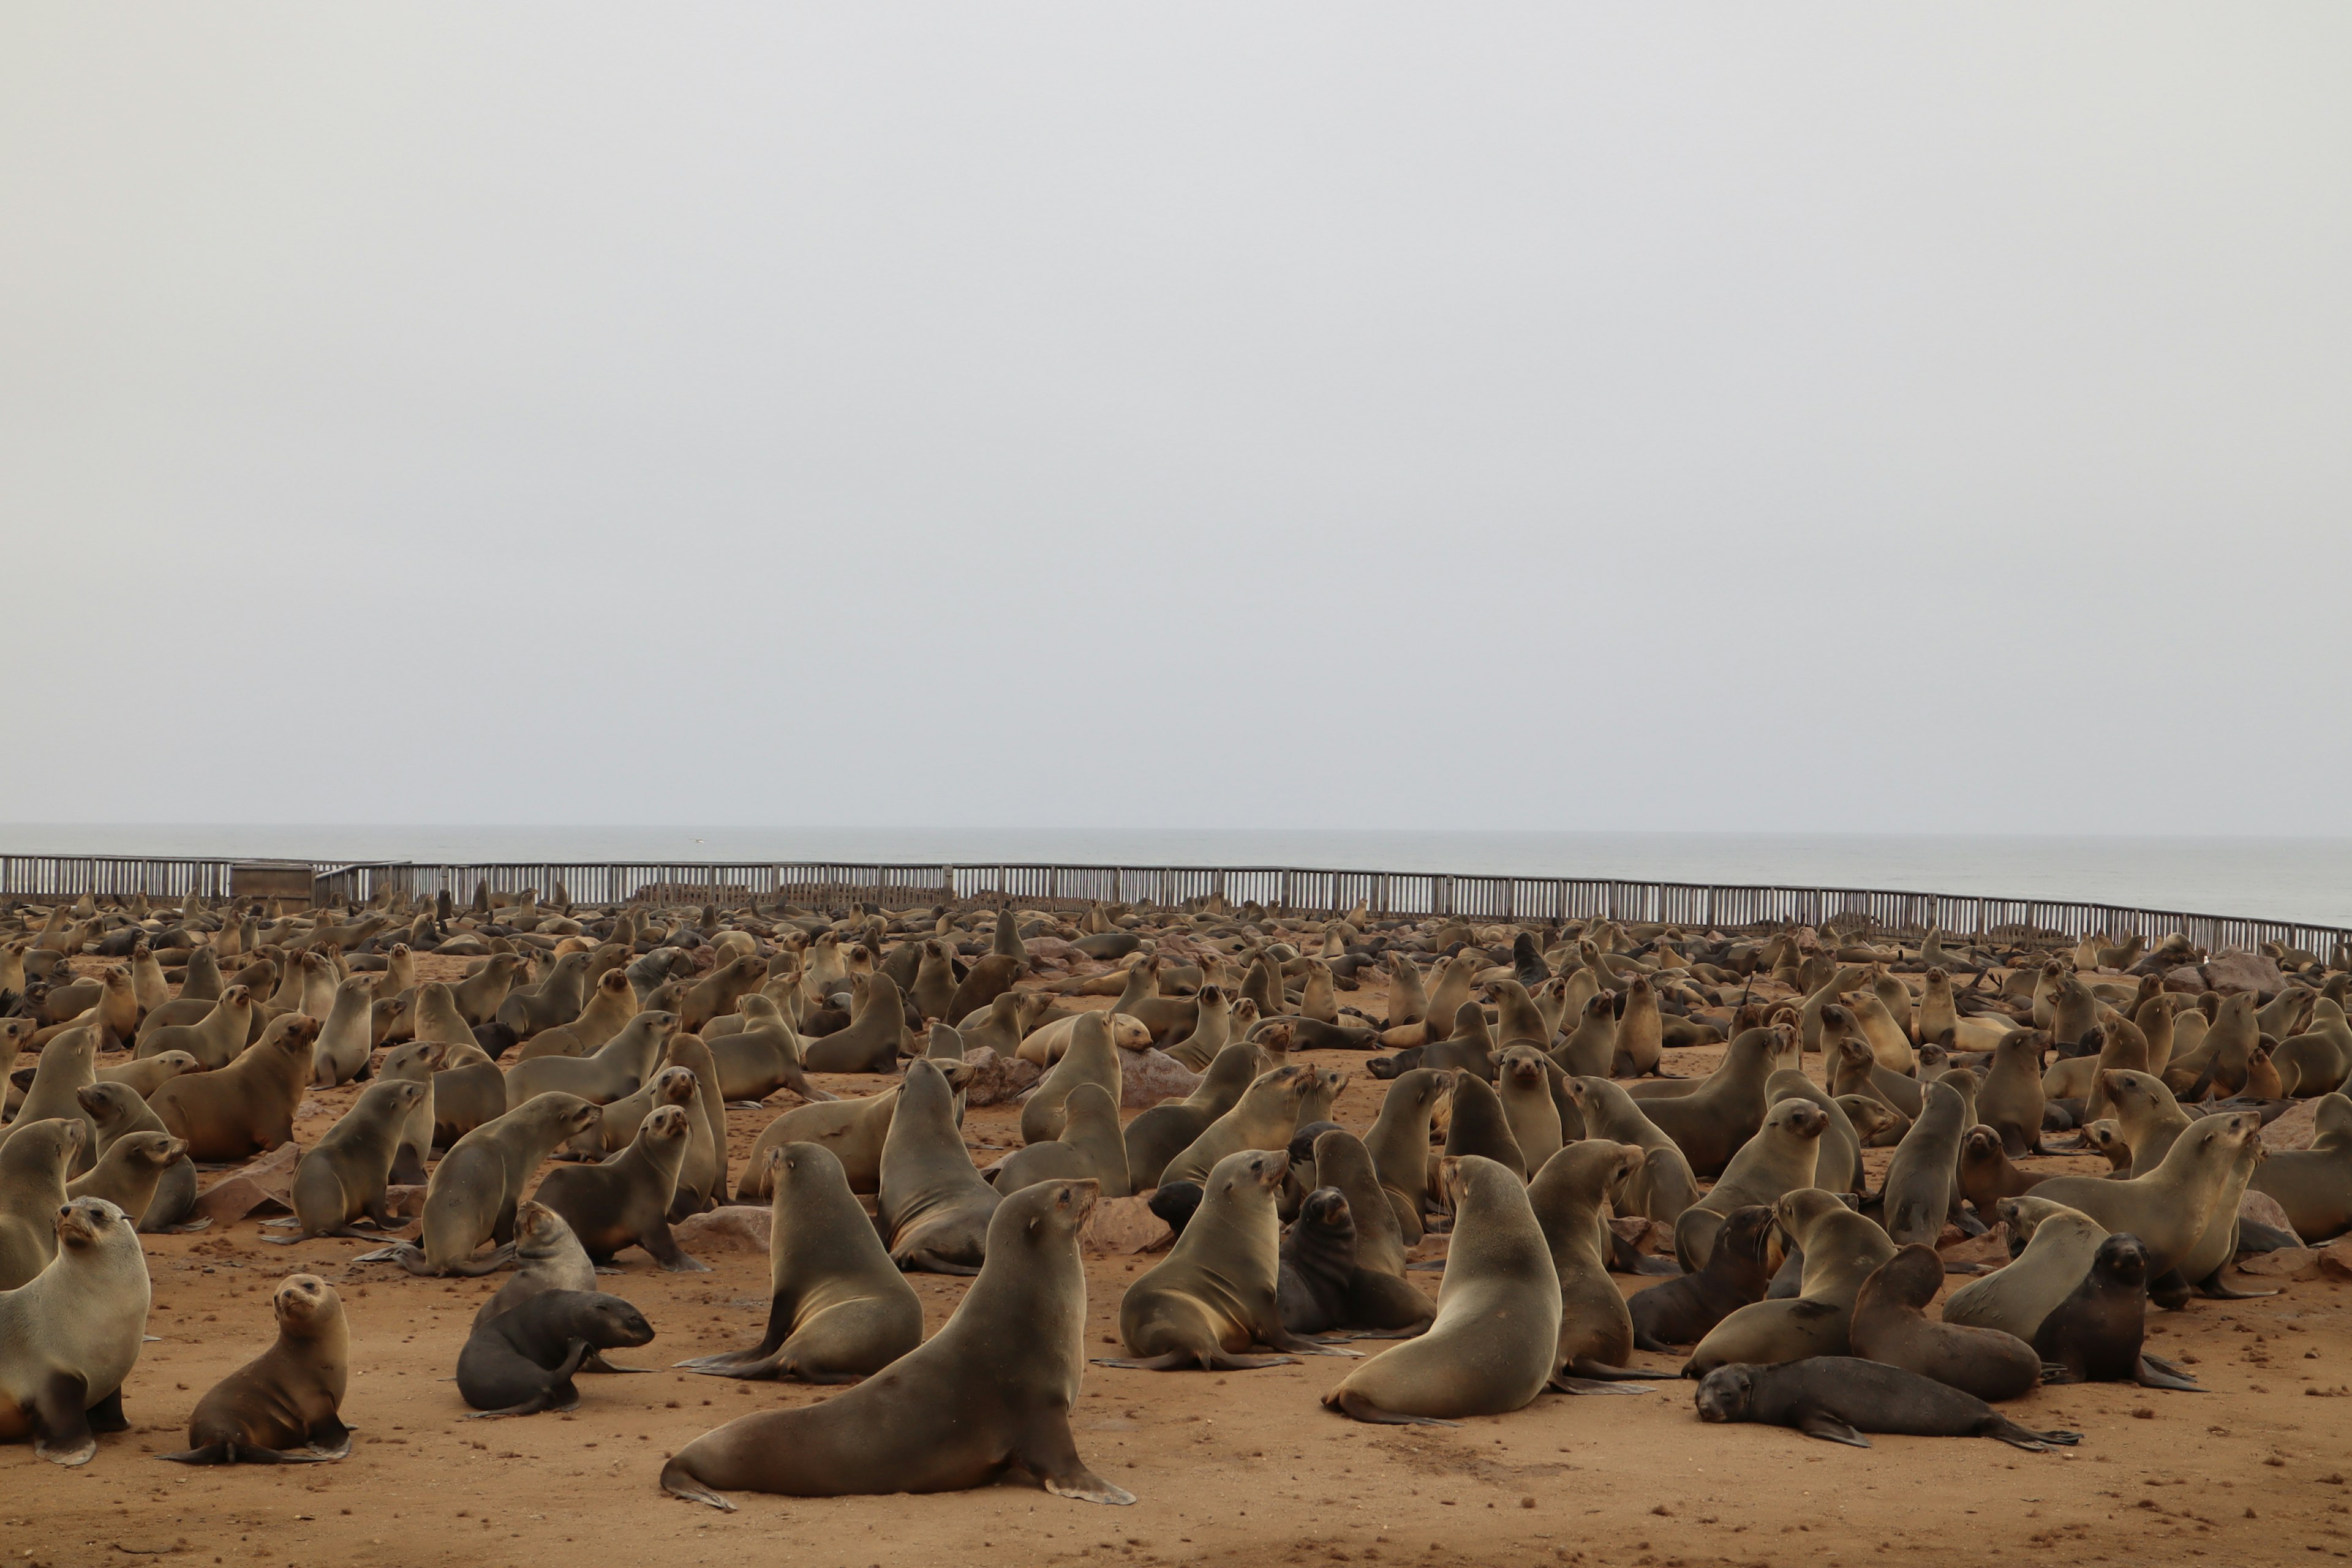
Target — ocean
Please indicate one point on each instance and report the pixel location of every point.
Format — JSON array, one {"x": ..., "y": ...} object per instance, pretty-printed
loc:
[{"x": 2306, "y": 879}]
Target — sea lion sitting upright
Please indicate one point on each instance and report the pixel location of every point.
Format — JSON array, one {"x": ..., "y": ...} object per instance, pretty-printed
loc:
[
  {"x": 2095, "y": 1335},
  {"x": 932, "y": 1207},
  {"x": 69, "y": 1335},
  {"x": 1379, "y": 1296},
  {"x": 1838, "y": 1398},
  {"x": 118, "y": 1113},
  {"x": 1318, "y": 1261},
  {"x": 1596, "y": 1333},
  {"x": 1164, "y": 1132},
  {"x": 548, "y": 1257},
  {"x": 1842, "y": 1249},
  {"x": 1778, "y": 1159},
  {"x": 1890, "y": 1326},
  {"x": 1217, "y": 1293},
  {"x": 1681, "y": 1310},
  {"x": 342, "y": 1178},
  {"x": 838, "y": 1309},
  {"x": 626, "y": 1202},
  {"x": 522, "y": 1361},
  {"x": 1495, "y": 1340},
  {"x": 247, "y": 1107},
  {"x": 33, "y": 1166},
  {"x": 2314, "y": 1186},
  {"x": 476, "y": 1186},
  {"x": 993, "y": 1389},
  {"x": 289, "y": 1396}
]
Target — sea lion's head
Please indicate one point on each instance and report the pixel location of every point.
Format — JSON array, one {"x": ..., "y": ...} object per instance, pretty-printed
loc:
[
  {"x": 304, "y": 1303},
  {"x": 86, "y": 1223},
  {"x": 1727, "y": 1394}
]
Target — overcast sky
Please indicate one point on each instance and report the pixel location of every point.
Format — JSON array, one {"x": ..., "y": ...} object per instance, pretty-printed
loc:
[{"x": 1734, "y": 417}]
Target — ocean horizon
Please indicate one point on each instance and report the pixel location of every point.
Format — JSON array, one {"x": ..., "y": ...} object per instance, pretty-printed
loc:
[{"x": 2303, "y": 880}]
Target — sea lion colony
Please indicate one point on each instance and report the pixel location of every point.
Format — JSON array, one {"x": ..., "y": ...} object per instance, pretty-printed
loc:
[{"x": 563, "y": 1098}]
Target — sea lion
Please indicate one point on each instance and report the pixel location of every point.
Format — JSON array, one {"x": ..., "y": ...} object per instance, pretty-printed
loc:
[
  {"x": 1716, "y": 1119},
  {"x": 839, "y": 1309},
  {"x": 2050, "y": 1249},
  {"x": 118, "y": 1113},
  {"x": 247, "y": 1107},
  {"x": 65, "y": 1069},
  {"x": 1524, "y": 1080},
  {"x": 215, "y": 1038},
  {"x": 33, "y": 1167},
  {"x": 1317, "y": 1262},
  {"x": 69, "y": 1335},
  {"x": 852, "y": 1129},
  {"x": 762, "y": 1057},
  {"x": 627, "y": 1202},
  {"x": 2314, "y": 1186},
  {"x": 522, "y": 1361},
  {"x": 548, "y": 1257},
  {"x": 1495, "y": 1340},
  {"x": 619, "y": 1066},
  {"x": 1090, "y": 1058},
  {"x": 1664, "y": 1189},
  {"x": 612, "y": 1002},
  {"x": 1090, "y": 1148},
  {"x": 1889, "y": 1325},
  {"x": 1477, "y": 1125},
  {"x": 342, "y": 1178},
  {"x": 2094, "y": 1335},
  {"x": 1590, "y": 1048},
  {"x": 145, "y": 1075},
  {"x": 1779, "y": 1159},
  {"x": 1596, "y": 1333},
  {"x": 1640, "y": 1032},
  {"x": 1838, "y": 1398},
  {"x": 617, "y": 1126},
  {"x": 2218, "y": 1243},
  {"x": 1837, "y": 1167},
  {"x": 932, "y": 1207},
  {"x": 1681, "y": 1310},
  {"x": 1264, "y": 1118},
  {"x": 993, "y": 1389},
  {"x": 2168, "y": 1209},
  {"x": 476, "y": 1186},
  {"x": 1987, "y": 1175},
  {"x": 1379, "y": 1296},
  {"x": 2011, "y": 1099},
  {"x": 1215, "y": 1295},
  {"x": 133, "y": 1166},
  {"x": 1841, "y": 1249},
  {"x": 347, "y": 1039},
  {"x": 1922, "y": 1187},
  {"x": 414, "y": 1062},
  {"x": 702, "y": 1178},
  {"x": 1398, "y": 1142},
  {"x": 875, "y": 1039},
  {"x": 289, "y": 1396},
  {"x": 1163, "y": 1132}
]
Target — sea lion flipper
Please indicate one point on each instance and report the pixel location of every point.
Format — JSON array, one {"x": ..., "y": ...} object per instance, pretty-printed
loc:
[
  {"x": 1568, "y": 1383},
  {"x": 2057, "y": 1373},
  {"x": 2151, "y": 1376},
  {"x": 61, "y": 1433},
  {"x": 2212, "y": 1288},
  {"x": 1047, "y": 1451},
  {"x": 1817, "y": 1423},
  {"x": 1356, "y": 1407},
  {"x": 210, "y": 1454},
  {"x": 1282, "y": 1339},
  {"x": 105, "y": 1416}
]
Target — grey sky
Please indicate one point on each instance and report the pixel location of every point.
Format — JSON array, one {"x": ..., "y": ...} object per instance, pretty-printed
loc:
[{"x": 1741, "y": 417}]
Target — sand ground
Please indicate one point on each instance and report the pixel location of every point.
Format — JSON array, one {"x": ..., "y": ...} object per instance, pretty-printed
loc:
[{"x": 1241, "y": 1468}]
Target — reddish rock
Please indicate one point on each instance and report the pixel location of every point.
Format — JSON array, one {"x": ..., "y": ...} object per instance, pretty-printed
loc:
[
  {"x": 1124, "y": 1226},
  {"x": 261, "y": 1186},
  {"x": 737, "y": 1227},
  {"x": 1147, "y": 1076},
  {"x": 996, "y": 1080},
  {"x": 2293, "y": 1128},
  {"x": 2233, "y": 971},
  {"x": 2336, "y": 1261},
  {"x": 2264, "y": 1209},
  {"x": 404, "y": 1200},
  {"x": 2185, "y": 979},
  {"x": 2286, "y": 1263}
]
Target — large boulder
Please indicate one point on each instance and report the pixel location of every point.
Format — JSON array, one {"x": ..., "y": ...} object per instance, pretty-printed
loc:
[
  {"x": 1147, "y": 1076},
  {"x": 2233, "y": 971},
  {"x": 996, "y": 1080}
]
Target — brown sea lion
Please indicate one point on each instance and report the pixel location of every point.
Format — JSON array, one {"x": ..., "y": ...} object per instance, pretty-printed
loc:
[
  {"x": 626, "y": 1203},
  {"x": 247, "y": 1107},
  {"x": 1838, "y": 1398},
  {"x": 69, "y": 1335},
  {"x": 1890, "y": 1325},
  {"x": 287, "y": 1399}
]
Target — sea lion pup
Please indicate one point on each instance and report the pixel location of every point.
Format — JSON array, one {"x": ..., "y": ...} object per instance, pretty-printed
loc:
[
  {"x": 1779, "y": 1159},
  {"x": 347, "y": 1039},
  {"x": 1398, "y": 1144},
  {"x": 1987, "y": 1175},
  {"x": 2169, "y": 1207},
  {"x": 1165, "y": 1130},
  {"x": 1265, "y": 1117},
  {"x": 215, "y": 1038},
  {"x": 762, "y": 1057},
  {"x": 2094, "y": 1335},
  {"x": 1317, "y": 1260},
  {"x": 1215, "y": 1293},
  {"x": 414, "y": 1062},
  {"x": 1379, "y": 1296},
  {"x": 874, "y": 1040},
  {"x": 342, "y": 1178},
  {"x": 852, "y": 1129},
  {"x": 839, "y": 1309},
  {"x": 1838, "y": 1398},
  {"x": 33, "y": 1165},
  {"x": 289, "y": 1397},
  {"x": 522, "y": 1361},
  {"x": 247, "y": 1107},
  {"x": 1495, "y": 1341},
  {"x": 1889, "y": 1326},
  {"x": 1681, "y": 1310},
  {"x": 1841, "y": 1249},
  {"x": 2314, "y": 1186},
  {"x": 548, "y": 1257},
  {"x": 1090, "y": 1058},
  {"x": 1596, "y": 1333},
  {"x": 619, "y": 1066},
  {"x": 69, "y": 1335},
  {"x": 932, "y": 1207},
  {"x": 2050, "y": 1249},
  {"x": 626, "y": 1203},
  {"x": 1921, "y": 1191},
  {"x": 618, "y": 1122},
  {"x": 1090, "y": 1148},
  {"x": 117, "y": 1112},
  {"x": 611, "y": 1004},
  {"x": 128, "y": 1175},
  {"x": 477, "y": 1185},
  {"x": 991, "y": 1390}
]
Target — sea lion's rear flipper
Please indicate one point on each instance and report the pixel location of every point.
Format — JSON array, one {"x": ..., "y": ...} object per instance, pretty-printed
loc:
[
  {"x": 2168, "y": 1290},
  {"x": 595, "y": 1361},
  {"x": 330, "y": 1440},
  {"x": 1356, "y": 1407},
  {"x": 210, "y": 1454},
  {"x": 61, "y": 1433},
  {"x": 1587, "y": 1370},
  {"x": 1625, "y": 1257},
  {"x": 1830, "y": 1429},
  {"x": 1568, "y": 1383},
  {"x": 1221, "y": 1361},
  {"x": 2057, "y": 1373},
  {"x": 2213, "y": 1290},
  {"x": 745, "y": 1364},
  {"x": 1644, "y": 1341},
  {"x": 105, "y": 1416},
  {"x": 2150, "y": 1373},
  {"x": 2017, "y": 1436},
  {"x": 1282, "y": 1339},
  {"x": 678, "y": 1484},
  {"x": 1046, "y": 1450},
  {"x": 1170, "y": 1362}
]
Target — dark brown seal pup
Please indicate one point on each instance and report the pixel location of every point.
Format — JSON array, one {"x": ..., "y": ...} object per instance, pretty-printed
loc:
[
  {"x": 522, "y": 1361},
  {"x": 838, "y": 1309},
  {"x": 1317, "y": 1260},
  {"x": 288, "y": 1397},
  {"x": 1680, "y": 1312},
  {"x": 1838, "y": 1398},
  {"x": 626, "y": 1202},
  {"x": 1890, "y": 1326},
  {"x": 2094, "y": 1335},
  {"x": 991, "y": 1390}
]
